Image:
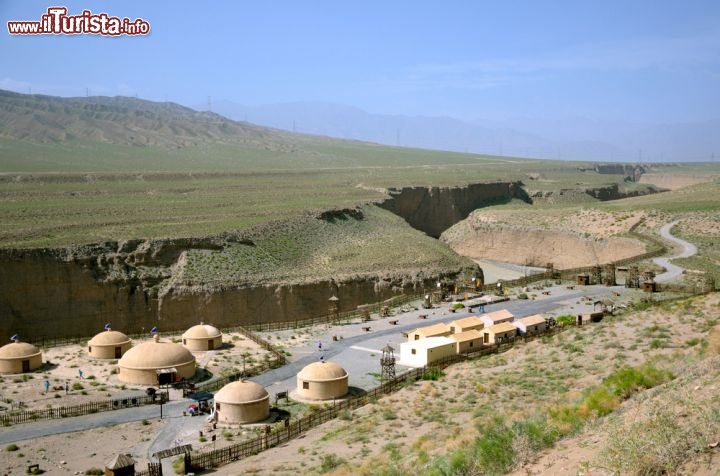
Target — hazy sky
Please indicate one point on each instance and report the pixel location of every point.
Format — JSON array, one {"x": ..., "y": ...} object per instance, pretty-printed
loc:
[{"x": 645, "y": 61}]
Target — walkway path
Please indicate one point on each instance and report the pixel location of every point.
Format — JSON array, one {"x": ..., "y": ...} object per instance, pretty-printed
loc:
[{"x": 673, "y": 272}]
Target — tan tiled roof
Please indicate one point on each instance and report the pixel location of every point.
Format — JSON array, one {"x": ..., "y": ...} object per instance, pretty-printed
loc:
[
  {"x": 502, "y": 314},
  {"x": 469, "y": 321},
  {"x": 434, "y": 330},
  {"x": 120, "y": 461},
  {"x": 466, "y": 336},
  {"x": 532, "y": 320},
  {"x": 502, "y": 327}
]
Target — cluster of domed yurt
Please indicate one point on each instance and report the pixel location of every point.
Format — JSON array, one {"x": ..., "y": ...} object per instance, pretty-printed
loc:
[
  {"x": 202, "y": 337},
  {"x": 144, "y": 363},
  {"x": 241, "y": 402},
  {"x": 322, "y": 381},
  {"x": 19, "y": 357},
  {"x": 109, "y": 344}
]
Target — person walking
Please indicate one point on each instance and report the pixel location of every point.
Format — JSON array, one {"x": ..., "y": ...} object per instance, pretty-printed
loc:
[
  {"x": 47, "y": 385},
  {"x": 67, "y": 387}
]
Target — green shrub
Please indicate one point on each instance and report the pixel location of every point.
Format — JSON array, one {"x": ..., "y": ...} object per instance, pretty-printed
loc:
[
  {"x": 657, "y": 344},
  {"x": 329, "y": 462},
  {"x": 494, "y": 448},
  {"x": 178, "y": 465},
  {"x": 522, "y": 296},
  {"x": 538, "y": 433},
  {"x": 565, "y": 419},
  {"x": 433, "y": 374},
  {"x": 12, "y": 447},
  {"x": 389, "y": 415},
  {"x": 600, "y": 401},
  {"x": 566, "y": 320},
  {"x": 97, "y": 471},
  {"x": 627, "y": 381}
]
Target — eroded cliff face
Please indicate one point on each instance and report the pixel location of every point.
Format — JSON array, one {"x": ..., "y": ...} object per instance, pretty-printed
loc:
[
  {"x": 435, "y": 209},
  {"x": 75, "y": 291},
  {"x": 631, "y": 172},
  {"x": 48, "y": 293},
  {"x": 139, "y": 284},
  {"x": 536, "y": 246}
]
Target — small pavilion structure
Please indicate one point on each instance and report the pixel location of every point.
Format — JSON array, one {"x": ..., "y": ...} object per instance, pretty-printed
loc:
[
  {"x": 120, "y": 465},
  {"x": 109, "y": 344},
  {"x": 322, "y": 381},
  {"x": 19, "y": 357},
  {"x": 202, "y": 337},
  {"x": 241, "y": 402}
]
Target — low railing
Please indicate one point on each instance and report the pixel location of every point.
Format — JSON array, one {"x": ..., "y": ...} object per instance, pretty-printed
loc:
[
  {"x": 14, "y": 417},
  {"x": 204, "y": 460}
]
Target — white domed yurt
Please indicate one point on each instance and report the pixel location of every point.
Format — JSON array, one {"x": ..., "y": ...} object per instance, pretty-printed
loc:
[
  {"x": 202, "y": 337},
  {"x": 19, "y": 357},
  {"x": 322, "y": 381},
  {"x": 145, "y": 363},
  {"x": 241, "y": 402},
  {"x": 109, "y": 344}
]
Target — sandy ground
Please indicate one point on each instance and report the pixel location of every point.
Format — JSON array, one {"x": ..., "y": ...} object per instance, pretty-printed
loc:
[
  {"x": 674, "y": 181},
  {"x": 359, "y": 445},
  {"x": 434, "y": 418},
  {"x": 79, "y": 451},
  {"x": 497, "y": 270}
]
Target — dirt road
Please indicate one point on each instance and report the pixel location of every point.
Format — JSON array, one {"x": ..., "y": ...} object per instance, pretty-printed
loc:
[{"x": 673, "y": 272}]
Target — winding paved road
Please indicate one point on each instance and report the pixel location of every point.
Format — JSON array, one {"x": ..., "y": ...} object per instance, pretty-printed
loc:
[{"x": 673, "y": 272}]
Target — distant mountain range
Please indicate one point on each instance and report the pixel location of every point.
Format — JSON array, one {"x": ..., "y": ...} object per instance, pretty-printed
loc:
[
  {"x": 138, "y": 122},
  {"x": 570, "y": 139},
  {"x": 121, "y": 120}
]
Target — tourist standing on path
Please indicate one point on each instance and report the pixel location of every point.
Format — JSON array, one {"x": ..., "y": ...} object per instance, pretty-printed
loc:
[
  {"x": 67, "y": 387},
  {"x": 47, "y": 385}
]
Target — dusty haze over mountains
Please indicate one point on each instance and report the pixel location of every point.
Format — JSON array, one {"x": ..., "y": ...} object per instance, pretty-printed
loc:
[{"x": 573, "y": 138}]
